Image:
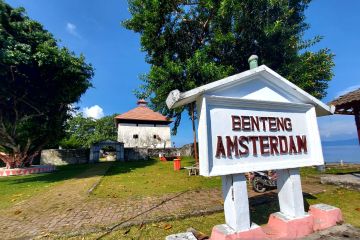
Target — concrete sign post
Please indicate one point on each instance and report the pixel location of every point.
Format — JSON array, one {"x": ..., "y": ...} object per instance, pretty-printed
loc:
[
  {"x": 290, "y": 195},
  {"x": 256, "y": 121},
  {"x": 236, "y": 203}
]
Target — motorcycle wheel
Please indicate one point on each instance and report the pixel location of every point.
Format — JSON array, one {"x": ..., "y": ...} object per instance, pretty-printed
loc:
[{"x": 258, "y": 185}]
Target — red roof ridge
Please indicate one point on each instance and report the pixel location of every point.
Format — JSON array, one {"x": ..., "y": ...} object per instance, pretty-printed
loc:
[{"x": 143, "y": 113}]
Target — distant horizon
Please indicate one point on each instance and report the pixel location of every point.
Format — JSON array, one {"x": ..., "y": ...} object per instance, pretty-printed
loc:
[{"x": 341, "y": 142}]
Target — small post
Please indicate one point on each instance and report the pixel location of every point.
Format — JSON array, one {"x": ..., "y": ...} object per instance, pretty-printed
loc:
[
  {"x": 290, "y": 195},
  {"x": 236, "y": 202},
  {"x": 320, "y": 168},
  {"x": 253, "y": 61}
]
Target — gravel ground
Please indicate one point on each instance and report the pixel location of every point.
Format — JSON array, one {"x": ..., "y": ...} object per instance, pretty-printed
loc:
[{"x": 345, "y": 231}]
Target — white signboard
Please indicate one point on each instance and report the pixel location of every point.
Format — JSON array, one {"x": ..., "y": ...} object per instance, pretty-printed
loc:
[{"x": 237, "y": 136}]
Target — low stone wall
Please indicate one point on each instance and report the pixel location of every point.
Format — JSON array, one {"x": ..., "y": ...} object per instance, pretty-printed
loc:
[
  {"x": 76, "y": 156},
  {"x": 187, "y": 150},
  {"x": 25, "y": 171},
  {"x": 154, "y": 152},
  {"x": 135, "y": 154},
  {"x": 64, "y": 156}
]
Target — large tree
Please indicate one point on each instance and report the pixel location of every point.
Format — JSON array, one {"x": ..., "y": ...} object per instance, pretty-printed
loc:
[
  {"x": 82, "y": 131},
  {"x": 38, "y": 83},
  {"x": 193, "y": 42}
]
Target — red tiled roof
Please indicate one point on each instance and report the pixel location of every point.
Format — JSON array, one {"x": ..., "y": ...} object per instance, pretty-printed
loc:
[{"x": 143, "y": 113}]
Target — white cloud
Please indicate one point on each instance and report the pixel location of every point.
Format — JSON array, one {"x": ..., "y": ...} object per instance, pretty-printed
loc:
[
  {"x": 73, "y": 110},
  {"x": 71, "y": 28},
  {"x": 349, "y": 89},
  {"x": 95, "y": 112},
  {"x": 337, "y": 127}
]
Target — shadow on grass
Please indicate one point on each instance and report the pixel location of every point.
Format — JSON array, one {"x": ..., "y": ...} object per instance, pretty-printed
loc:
[
  {"x": 261, "y": 206},
  {"x": 341, "y": 170},
  {"x": 79, "y": 171},
  {"x": 126, "y": 167},
  {"x": 344, "y": 172}
]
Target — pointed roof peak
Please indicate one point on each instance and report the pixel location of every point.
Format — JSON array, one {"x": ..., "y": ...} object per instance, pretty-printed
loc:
[
  {"x": 142, "y": 102},
  {"x": 177, "y": 98},
  {"x": 143, "y": 113}
]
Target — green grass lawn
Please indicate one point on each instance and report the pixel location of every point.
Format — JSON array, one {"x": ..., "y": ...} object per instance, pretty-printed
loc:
[
  {"x": 149, "y": 178},
  {"x": 330, "y": 169},
  {"x": 14, "y": 189}
]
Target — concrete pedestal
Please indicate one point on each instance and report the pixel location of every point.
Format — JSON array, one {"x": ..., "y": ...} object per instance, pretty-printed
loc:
[
  {"x": 224, "y": 232},
  {"x": 281, "y": 226},
  {"x": 325, "y": 216}
]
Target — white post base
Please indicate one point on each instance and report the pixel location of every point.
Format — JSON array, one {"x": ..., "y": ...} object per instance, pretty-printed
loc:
[
  {"x": 290, "y": 195},
  {"x": 236, "y": 202}
]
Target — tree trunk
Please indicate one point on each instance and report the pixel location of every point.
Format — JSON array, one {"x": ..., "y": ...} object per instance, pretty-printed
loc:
[
  {"x": 17, "y": 160},
  {"x": 192, "y": 109}
]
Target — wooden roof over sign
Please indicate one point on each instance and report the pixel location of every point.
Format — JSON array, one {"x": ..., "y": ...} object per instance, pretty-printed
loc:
[{"x": 346, "y": 103}]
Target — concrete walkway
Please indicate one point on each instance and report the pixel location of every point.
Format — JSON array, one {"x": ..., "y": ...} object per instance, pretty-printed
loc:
[
  {"x": 69, "y": 209},
  {"x": 344, "y": 180}
]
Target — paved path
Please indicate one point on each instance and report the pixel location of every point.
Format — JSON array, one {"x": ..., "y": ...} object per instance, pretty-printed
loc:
[
  {"x": 343, "y": 180},
  {"x": 68, "y": 208}
]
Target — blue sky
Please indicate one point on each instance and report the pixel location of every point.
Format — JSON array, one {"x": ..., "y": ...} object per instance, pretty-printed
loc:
[{"x": 93, "y": 28}]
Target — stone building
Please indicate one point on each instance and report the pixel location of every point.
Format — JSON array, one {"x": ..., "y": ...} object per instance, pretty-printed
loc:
[{"x": 143, "y": 128}]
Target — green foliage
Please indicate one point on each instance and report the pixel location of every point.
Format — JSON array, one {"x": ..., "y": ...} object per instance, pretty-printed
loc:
[
  {"x": 81, "y": 132},
  {"x": 39, "y": 81},
  {"x": 193, "y": 42}
]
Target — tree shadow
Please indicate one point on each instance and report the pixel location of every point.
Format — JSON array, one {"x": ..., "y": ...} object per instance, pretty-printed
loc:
[
  {"x": 346, "y": 173},
  {"x": 126, "y": 167},
  {"x": 306, "y": 202},
  {"x": 261, "y": 206}
]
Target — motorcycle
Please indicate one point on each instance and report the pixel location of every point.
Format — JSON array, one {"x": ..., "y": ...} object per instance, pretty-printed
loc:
[{"x": 262, "y": 181}]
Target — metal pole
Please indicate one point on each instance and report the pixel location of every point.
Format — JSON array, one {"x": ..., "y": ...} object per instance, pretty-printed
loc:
[{"x": 192, "y": 109}]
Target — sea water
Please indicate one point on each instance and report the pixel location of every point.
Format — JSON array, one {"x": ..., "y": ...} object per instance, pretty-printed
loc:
[{"x": 346, "y": 153}]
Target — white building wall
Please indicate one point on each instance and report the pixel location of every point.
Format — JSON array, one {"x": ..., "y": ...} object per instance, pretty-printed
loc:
[{"x": 145, "y": 133}]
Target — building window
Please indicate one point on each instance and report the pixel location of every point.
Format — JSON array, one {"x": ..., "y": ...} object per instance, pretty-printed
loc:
[{"x": 135, "y": 136}]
